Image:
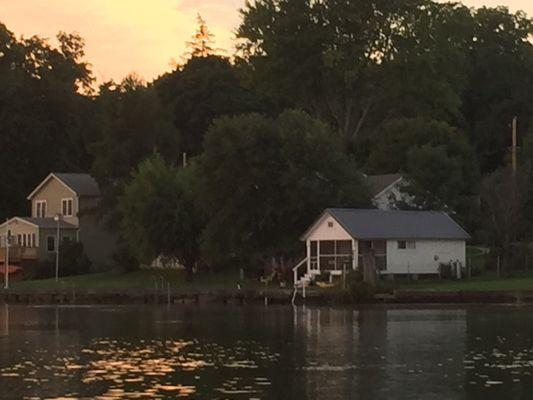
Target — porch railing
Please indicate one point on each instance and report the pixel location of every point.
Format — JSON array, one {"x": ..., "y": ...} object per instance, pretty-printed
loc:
[
  {"x": 297, "y": 270},
  {"x": 19, "y": 253}
]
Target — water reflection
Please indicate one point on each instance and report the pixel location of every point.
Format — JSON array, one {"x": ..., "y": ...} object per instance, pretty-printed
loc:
[{"x": 265, "y": 353}]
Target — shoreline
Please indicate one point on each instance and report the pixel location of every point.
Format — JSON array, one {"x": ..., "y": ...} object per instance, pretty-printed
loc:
[{"x": 257, "y": 297}]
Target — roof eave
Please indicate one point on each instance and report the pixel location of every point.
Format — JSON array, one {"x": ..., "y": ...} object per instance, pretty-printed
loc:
[
  {"x": 389, "y": 187},
  {"x": 40, "y": 186}
]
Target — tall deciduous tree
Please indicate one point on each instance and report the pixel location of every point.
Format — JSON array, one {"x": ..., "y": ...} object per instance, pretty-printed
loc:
[
  {"x": 356, "y": 63},
  {"x": 43, "y": 115},
  {"x": 203, "y": 89},
  {"x": 263, "y": 180},
  {"x": 504, "y": 196},
  {"x": 437, "y": 158},
  {"x": 160, "y": 214},
  {"x": 500, "y": 81},
  {"x": 132, "y": 124}
]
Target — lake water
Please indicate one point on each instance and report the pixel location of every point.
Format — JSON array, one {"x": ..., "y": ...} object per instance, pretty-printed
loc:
[{"x": 265, "y": 353}]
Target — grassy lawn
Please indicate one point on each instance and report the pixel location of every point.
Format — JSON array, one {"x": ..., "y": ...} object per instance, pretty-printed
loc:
[
  {"x": 143, "y": 279},
  {"x": 483, "y": 283},
  {"x": 147, "y": 279}
]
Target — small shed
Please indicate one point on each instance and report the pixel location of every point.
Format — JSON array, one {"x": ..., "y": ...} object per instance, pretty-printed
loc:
[{"x": 399, "y": 242}]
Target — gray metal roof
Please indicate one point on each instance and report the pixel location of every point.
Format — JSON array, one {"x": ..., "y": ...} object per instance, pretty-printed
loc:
[
  {"x": 48, "y": 223},
  {"x": 82, "y": 184},
  {"x": 380, "y": 224},
  {"x": 378, "y": 183}
]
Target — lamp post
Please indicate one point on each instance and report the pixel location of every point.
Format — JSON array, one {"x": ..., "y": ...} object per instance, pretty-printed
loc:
[
  {"x": 57, "y": 218},
  {"x": 6, "y": 265}
]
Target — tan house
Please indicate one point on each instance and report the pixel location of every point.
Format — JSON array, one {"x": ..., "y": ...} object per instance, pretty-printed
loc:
[{"x": 62, "y": 208}]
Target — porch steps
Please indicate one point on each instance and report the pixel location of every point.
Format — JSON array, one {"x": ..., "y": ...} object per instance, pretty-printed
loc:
[{"x": 306, "y": 279}]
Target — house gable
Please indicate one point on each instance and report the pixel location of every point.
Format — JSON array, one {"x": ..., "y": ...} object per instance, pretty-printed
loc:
[
  {"x": 16, "y": 220},
  {"x": 53, "y": 193},
  {"x": 46, "y": 182},
  {"x": 326, "y": 227}
]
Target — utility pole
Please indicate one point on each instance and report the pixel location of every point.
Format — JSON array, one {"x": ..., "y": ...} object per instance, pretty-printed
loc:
[
  {"x": 57, "y": 218},
  {"x": 513, "y": 149},
  {"x": 6, "y": 265}
]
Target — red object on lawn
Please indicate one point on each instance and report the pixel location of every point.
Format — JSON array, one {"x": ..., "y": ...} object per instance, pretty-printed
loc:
[{"x": 14, "y": 272}]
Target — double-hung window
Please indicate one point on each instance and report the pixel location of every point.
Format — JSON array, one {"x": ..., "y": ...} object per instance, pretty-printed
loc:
[
  {"x": 67, "y": 207},
  {"x": 40, "y": 208}
]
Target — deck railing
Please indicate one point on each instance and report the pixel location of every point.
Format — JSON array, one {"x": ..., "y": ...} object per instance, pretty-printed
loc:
[
  {"x": 298, "y": 271},
  {"x": 19, "y": 253}
]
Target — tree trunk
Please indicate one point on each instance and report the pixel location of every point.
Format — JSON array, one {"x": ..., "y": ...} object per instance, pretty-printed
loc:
[{"x": 189, "y": 271}]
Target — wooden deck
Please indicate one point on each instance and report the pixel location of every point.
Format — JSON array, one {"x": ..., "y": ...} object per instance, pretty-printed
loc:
[{"x": 18, "y": 254}]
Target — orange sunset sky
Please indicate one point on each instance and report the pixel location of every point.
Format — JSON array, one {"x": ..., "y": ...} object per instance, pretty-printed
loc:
[{"x": 140, "y": 36}]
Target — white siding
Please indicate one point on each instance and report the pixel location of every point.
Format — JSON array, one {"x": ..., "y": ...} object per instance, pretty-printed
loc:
[
  {"x": 322, "y": 230},
  {"x": 421, "y": 260},
  {"x": 388, "y": 199}
]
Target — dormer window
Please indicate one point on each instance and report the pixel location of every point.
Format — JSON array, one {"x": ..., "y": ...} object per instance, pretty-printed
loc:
[
  {"x": 40, "y": 209},
  {"x": 67, "y": 207}
]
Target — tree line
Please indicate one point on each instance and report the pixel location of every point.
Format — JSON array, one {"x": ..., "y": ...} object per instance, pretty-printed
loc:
[{"x": 226, "y": 160}]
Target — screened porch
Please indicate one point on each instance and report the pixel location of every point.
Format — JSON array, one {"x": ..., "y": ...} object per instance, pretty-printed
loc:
[{"x": 331, "y": 255}]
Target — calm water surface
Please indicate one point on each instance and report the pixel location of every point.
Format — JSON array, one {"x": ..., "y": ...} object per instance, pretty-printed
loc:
[{"x": 265, "y": 353}]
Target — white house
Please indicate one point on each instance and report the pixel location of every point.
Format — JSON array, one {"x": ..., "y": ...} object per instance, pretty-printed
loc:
[
  {"x": 387, "y": 190},
  {"x": 400, "y": 242}
]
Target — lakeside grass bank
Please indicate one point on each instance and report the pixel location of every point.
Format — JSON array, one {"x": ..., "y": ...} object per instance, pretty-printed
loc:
[
  {"x": 171, "y": 287},
  {"x": 157, "y": 279},
  {"x": 144, "y": 279}
]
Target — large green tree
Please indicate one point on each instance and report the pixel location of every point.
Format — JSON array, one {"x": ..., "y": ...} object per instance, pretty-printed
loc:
[
  {"x": 264, "y": 180},
  {"x": 43, "y": 115},
  {"x": 355, "y": 64},
  {"x": 437, "y": 158},
  {"x": 203, "y": 89},
  {"x": 505, "y": 196},
  {"x": 131, "y": 124},
  {"x": 500, "y": 81},
  {"x": 159, "y": 212}
]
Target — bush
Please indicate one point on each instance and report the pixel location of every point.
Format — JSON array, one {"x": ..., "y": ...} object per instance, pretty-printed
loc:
[
  {"x": 72, "y": 259},
  {"x": 44, "y": 270},
  {"x": 362, "y": 292},
  {"x": 125, "y": 260}
]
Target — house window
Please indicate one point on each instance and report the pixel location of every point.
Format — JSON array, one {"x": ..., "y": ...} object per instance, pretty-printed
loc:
[
  {"x": 330, "y": 224},
  {"x": 406, "y": 244},
  {"x": 40, "y": 208},
  {"x": 51, "y": 244},
  {"x": 66, "y": 207}
]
